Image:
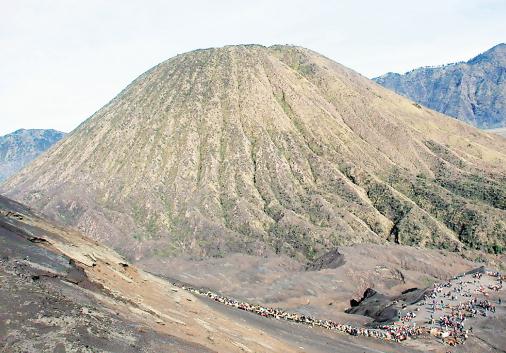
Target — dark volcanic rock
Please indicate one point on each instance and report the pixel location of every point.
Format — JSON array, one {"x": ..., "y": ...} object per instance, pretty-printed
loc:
[
  {"x": 332, "y": 259},
  {"x": 382, "y": 308},
  {"x": 480, "y": 269},
  {"x": 473, "y": 91},
  {"x": 369, "y": 292}
]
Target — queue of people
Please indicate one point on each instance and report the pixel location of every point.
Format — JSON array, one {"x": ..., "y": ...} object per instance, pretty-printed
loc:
[
  {"x": 451, "y": 325},
  {"x": 386, "y": 332}
]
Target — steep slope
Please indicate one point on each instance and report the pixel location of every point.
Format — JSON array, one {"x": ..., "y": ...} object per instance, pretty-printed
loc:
[
  {"x": 65, "y": 293},
  {"x": 258, "y": 150},
  {"x": 19, "y": 148},
  {"x": 473, "y": 91},
  {"x": 62, "y": 292}
]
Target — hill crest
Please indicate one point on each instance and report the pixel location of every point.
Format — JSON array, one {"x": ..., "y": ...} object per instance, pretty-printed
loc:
[{"x": 257, "y": 150}]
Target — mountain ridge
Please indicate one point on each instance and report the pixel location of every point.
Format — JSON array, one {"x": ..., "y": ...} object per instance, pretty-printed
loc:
[{"x": 473, "y": 91}]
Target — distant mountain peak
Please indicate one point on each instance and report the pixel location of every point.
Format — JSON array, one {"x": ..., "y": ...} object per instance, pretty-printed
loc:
[
  {"x": 496, "y": 53},
  {"x": 20, "y": 147},
  {"x": 472, "y": 91},
  {"x": 499, "y": 48}
]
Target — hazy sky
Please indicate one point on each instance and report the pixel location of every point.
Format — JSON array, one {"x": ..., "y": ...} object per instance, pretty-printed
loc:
[{"x": 60, "y": 61}]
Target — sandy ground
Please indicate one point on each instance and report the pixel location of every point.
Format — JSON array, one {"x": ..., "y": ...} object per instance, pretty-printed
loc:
[
  {"x": 283, "y": 282},
  {"x": 488, "y": 327},
  {"x": 65, "y": 293}
]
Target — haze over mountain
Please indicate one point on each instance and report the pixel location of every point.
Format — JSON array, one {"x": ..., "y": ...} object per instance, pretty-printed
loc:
[
  {"x": 472, "y": 91},
  {"x": 19, "y": 148},
  {"x": 260, "y": 150}
]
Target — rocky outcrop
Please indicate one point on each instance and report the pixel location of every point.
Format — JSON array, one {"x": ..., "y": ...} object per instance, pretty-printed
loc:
[
  {"x": 383, "y": 308},
  {"x": 332, "y": 259},
  {"x": 472, "y": 91}
]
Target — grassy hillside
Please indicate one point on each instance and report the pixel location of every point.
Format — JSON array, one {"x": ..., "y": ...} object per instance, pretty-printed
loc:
[{"x": 258, "y": 150}]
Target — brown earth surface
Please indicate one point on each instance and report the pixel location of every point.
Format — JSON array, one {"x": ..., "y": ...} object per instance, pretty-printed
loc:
[
  {"x": 65, "y": 293},
  {"x": 283, "y": 282},
  {"x": 124, "y": 298}
]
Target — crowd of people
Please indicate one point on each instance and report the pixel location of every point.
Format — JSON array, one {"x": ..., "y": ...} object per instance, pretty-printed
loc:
[{"x": 451, "y": 325}]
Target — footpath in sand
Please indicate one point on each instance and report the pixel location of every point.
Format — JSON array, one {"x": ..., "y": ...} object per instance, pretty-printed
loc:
[{"x": 446, "y": 313}]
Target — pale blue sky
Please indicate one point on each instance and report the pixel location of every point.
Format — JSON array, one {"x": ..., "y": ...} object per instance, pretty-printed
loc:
[{"x": 60, "y": 61}]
